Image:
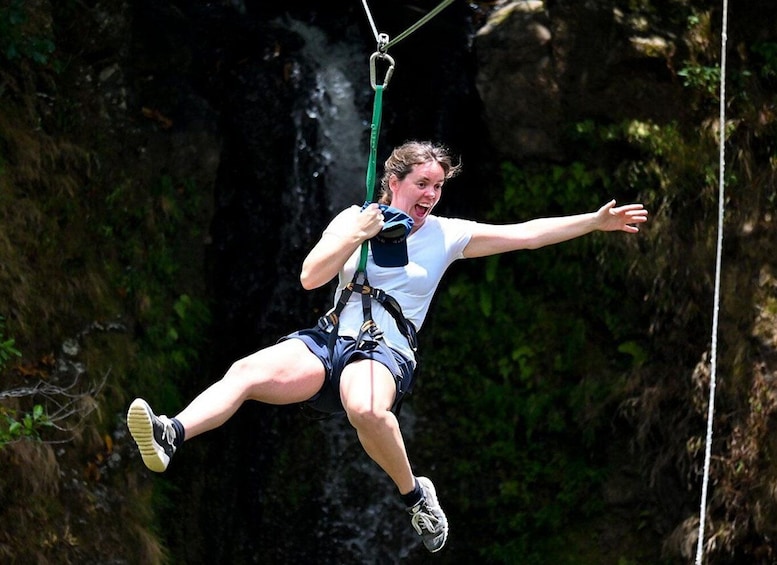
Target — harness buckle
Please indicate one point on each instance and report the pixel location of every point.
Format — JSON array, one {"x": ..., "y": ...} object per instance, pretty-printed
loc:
[
  {"x": 328, "y": 321},
  {"x": 370, "y": 328},
  {"x": 378, "y": 294}
]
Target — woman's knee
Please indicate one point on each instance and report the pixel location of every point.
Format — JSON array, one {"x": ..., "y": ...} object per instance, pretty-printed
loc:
[
  {"x": 368, "y": 414},
  {"x": 243, "y": 374},
  {"x": 238, "y": 371}
]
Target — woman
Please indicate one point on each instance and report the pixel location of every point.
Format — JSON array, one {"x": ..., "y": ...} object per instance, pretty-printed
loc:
[{"x": 363, "y": 373}]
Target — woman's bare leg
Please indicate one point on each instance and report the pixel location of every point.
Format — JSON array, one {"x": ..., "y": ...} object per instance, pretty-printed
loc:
[
  {"x": 367, "y": 390},
  {"x": 284, "y": 373}
]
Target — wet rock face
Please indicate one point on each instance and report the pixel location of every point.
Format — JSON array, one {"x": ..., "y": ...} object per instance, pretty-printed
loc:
[
  {"x": 542, "y": 66},
  {"x": 516, "y": 63}
]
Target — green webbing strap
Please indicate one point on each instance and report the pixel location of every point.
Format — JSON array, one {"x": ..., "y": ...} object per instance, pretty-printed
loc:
[
  {"x": 374, "y": 132},
  {"x": 377, "y": 112}
]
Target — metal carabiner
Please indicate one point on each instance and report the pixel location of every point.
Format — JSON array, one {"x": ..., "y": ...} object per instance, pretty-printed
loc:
[
  {"x": 389, "y": 71},
  {"x": 383, "y": 40}
]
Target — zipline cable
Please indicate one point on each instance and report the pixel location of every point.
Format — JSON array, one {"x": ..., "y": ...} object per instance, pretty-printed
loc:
[
  {"x": 716, "y": 307},
  {"x": 439, "y": 8}
]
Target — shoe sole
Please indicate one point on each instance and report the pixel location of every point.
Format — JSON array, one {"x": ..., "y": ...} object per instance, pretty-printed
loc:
[{"x": 142, "y": 429}]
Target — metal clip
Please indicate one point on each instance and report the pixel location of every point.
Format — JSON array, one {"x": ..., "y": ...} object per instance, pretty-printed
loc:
[
  {"x": 381, "y": 54},
  {"x": 383, "y": 40}
]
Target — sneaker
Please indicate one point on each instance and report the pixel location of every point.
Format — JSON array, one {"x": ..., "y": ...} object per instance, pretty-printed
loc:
[
  {"x": 154, "y": 435},
  {"x": 428, "y": 519}
]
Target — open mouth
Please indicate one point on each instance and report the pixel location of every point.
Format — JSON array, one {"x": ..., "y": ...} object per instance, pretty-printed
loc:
[{"x": 421, "y": 210}]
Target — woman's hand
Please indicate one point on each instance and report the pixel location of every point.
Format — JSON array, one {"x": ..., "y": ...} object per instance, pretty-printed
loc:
[
  {"x": 345, "y": 233},
  {"x": 369, "y": 222},
  {"x": 622, "y": 218}
]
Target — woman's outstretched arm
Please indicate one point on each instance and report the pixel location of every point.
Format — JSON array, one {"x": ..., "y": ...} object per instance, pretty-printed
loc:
[{"x": 491, "y": 239}]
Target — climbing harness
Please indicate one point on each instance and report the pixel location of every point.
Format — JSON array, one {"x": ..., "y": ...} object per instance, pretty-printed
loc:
[
  {"x": 716, "y": 301},
  {"x": 368, "y": 293}
]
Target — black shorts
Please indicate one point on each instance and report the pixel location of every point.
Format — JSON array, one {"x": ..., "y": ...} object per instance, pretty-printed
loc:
[{"x": 328, "y": 398}]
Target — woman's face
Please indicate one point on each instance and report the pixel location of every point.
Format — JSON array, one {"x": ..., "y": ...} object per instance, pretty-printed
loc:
[{"x": 419, "y": 191}]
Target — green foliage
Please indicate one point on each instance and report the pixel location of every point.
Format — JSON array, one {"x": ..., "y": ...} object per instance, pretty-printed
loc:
[
  {"x": 658, "y": 162},
  {"x": 16, "y": 425},
  {"x": 19, "y": 36},
  {"x": 528, "y": 193},
  {"x": 700, "y": 71},
  {"x": 181, "y": 332},
  {"x": 7, "y": 347},
  {"x": 149, "y": 233},
  {"x": 767, "y": 50},
  {"x": 702, "y": 78}
]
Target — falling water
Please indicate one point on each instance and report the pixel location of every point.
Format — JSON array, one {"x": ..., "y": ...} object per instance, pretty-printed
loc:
[{"x": 341, "y": 132}]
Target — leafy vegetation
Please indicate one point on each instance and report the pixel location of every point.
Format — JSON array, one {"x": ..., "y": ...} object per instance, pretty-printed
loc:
[
  {"x": 767, "y": 50},
  {"x": 15, "y": 425},
  {"x": 7, "y": 347},
  {"x": 23, "y": 34},
  {"x": 100, "y": 282},
  {"x": 149, "y": 265}
]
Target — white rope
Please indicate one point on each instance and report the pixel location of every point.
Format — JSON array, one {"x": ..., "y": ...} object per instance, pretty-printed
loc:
[
  {"x": 369, "y": 19},
  {"x": 436, "y": 10},
  {"x": 716, "y": 307}
]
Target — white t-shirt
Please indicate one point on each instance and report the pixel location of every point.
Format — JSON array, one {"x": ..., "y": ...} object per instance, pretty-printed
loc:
[{"x": 431, "y": 249}]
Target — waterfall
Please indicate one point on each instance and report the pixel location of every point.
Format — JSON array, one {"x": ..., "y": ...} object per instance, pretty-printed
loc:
[{"x": 341, "y": 132}]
